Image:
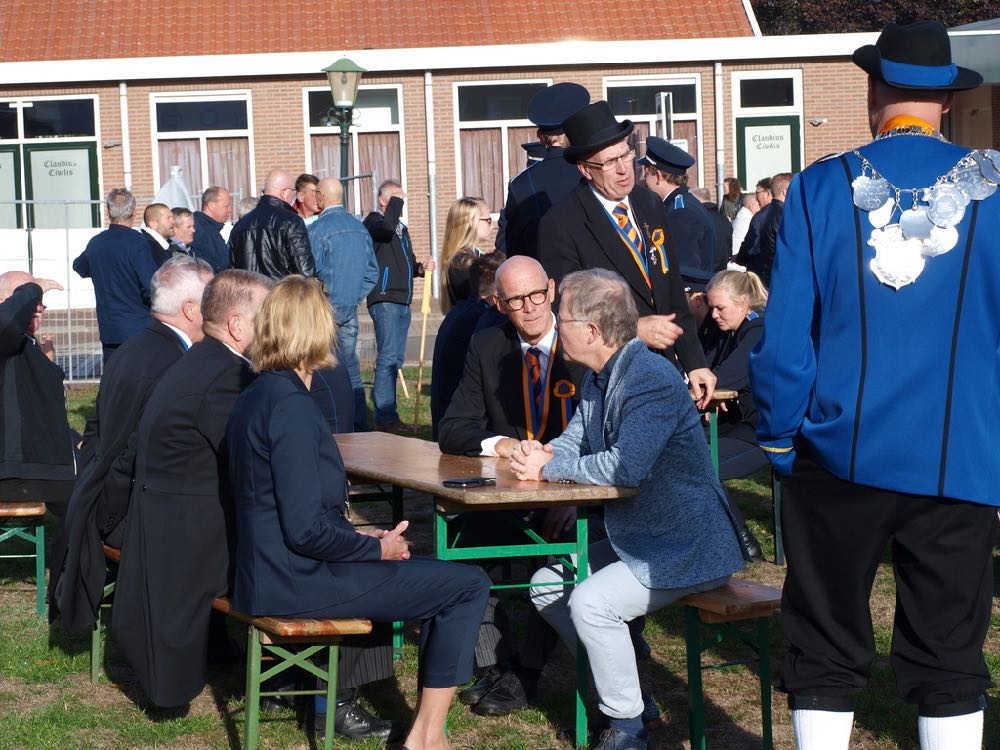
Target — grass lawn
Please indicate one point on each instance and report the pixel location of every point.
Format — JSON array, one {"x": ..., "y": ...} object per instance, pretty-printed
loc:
[{"x": 47, "y": 701}]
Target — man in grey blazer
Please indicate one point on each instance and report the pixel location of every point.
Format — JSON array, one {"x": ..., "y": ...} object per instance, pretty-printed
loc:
[{"x": 636, "y": 426}]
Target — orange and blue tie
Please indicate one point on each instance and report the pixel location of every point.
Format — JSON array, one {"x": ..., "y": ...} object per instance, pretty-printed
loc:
[
  {"x": 532, "y": 357},
  {"x": 632, "y": 238}
]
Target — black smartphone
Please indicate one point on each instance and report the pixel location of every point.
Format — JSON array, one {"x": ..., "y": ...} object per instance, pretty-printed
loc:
[{"x": 470, "y": 482}]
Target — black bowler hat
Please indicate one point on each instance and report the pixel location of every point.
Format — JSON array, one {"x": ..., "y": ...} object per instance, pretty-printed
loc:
[
  {"x": 592, "y": 128},
  {"x": 535, "y": 150},
  {"x": 550, "y": 107},
  {"x": 916, "y": 57},
  {"x": 665, "y": 156}
]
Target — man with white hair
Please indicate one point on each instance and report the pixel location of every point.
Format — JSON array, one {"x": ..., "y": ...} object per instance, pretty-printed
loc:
[
  {"x": 100, "y": 498},
  {"x": 36, "y": 447},
  {"x": 272, "y": 239}
]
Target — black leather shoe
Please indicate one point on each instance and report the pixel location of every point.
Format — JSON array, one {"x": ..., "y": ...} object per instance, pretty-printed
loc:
[
  {"x": 505, "y": 696},
  {"x": 475, "y": 692},
  {"x": 614, "y": 739},
  {"x": 276, "y": 704},
  {"x": 354, "y": 722},
  {"x": 751, "y": 547}
]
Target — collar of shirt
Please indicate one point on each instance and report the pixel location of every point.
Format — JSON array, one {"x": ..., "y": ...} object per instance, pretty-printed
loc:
[
  {"x": 610, "y": 206},
  {"x": 180, "y": 334},
  {"x": 156, "y": 236},
  {"x": 235, "y": 352},
  {"x": 545, "y": 345},
  {"x": 602, "y": 378}
]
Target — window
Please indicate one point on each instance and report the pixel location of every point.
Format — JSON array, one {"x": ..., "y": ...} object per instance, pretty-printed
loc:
[
  {"x": 208, "y": 136},
  {"x": 767, "y": 92},
  {"x": 638, "y": 98},
  {"x": 492, "y": 124},
  {"x": 48, "y": 158},
  {"x": 375, "y": 146}
]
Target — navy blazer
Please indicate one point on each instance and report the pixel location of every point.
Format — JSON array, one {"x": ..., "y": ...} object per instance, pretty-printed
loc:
[{"x": 290, "y": 492}]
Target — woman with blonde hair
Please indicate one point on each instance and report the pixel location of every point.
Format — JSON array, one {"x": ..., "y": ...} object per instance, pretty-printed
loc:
[
  {"x": 736, "y": 302},
  {"x": 469, "y": 225},
  {"x": 297, "y": 554}
]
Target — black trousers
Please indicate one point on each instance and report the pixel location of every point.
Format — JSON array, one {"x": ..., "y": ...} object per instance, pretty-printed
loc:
[{"x": 835, "y": 535}]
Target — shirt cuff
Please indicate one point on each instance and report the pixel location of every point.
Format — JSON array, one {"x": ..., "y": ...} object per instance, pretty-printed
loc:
[{"x": 488, "y": 447}]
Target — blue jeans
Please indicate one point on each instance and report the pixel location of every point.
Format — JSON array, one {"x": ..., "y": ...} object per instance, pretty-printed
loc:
[
  {"x": 347, "y": 353},
  {"x": 392, "y": 326}
]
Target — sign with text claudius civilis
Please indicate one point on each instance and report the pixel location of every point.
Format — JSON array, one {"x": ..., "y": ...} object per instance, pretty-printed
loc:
[
  {"x": 766, "y": 146},
  {"x": 62, "y": 174}
]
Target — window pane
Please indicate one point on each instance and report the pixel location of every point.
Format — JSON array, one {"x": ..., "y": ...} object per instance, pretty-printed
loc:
[
  {"x": 229, "y": 165},
  {"x": 508, "y": 101},
  {"x": 68, "y": 117},
  {"x": 482, "y": 168},
  {"x": 173, "y": 117},
  {"x": 767, "y": 92},
  {"x": 376, "y": 108},
  {"x": 8, "y": 121},
  {"x": 641, "y": 100}
]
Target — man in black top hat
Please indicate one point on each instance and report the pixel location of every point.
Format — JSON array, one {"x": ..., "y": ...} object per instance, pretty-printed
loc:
[
  {"x": 546, "y": 182},
  {"x": 609, "y": 222},
  {"x": 690, "y": 228},
  {"x": 882, "y": 319}
]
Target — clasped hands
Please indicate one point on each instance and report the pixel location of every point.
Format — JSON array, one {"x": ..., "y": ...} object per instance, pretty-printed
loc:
[
  {"x": 394, "y": 545},
  {"x": 528, "y": 458}
]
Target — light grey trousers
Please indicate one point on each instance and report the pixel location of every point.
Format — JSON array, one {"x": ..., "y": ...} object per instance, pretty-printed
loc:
[{"x": 598, "y": 611}]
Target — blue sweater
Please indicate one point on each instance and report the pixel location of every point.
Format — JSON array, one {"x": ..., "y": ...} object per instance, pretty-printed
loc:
[{"x": 896, "y": 389}]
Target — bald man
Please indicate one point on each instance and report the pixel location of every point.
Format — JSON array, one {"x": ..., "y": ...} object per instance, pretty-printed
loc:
[
  {"x": 159, "y": 230},
  {"x": 36, "y": 445},
  {"x": 345, "y": 261},
  {"x": 272, "y": 239}
]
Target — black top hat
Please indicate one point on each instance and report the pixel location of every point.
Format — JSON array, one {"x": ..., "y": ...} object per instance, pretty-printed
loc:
[
  {"x": 550, "y": 107},
  {"x": 592, "y": 128},
  {"x": 917, "y": 57},
  {"x": 665, "y": 156}
]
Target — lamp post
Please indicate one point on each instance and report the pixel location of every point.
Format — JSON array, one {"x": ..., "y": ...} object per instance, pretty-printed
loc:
[{"x": 344, "y": 76}]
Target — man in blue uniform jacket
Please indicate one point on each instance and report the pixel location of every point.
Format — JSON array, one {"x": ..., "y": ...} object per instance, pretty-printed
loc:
[{"x": 881, "y": 323}]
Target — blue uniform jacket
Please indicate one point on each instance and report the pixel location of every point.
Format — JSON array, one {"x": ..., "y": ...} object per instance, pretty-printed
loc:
[
  {"x": 644, "y": 432},
  {"x": 531, "y": 194},
  {"x": 896, "y": 389},
  {"x": 290, "y": 491},
  {"x": 119, "y": 261},
  {"x": 692, "y": 233}
]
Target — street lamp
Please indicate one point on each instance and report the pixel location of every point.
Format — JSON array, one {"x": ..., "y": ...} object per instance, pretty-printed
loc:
[{"x": 344, "y": 76}]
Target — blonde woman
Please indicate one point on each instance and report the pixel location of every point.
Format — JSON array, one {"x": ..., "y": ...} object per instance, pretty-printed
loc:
[
  {"x": 468, "y": 226},
  {"x": 296, "y": 552}
]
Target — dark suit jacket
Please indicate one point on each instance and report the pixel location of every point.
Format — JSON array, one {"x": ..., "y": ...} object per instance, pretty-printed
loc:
[
  {"x": 160, "y": 256},
  {"x": 490, "y": 399},
  {"x": 104, "y": 480},
  {"x": 450, "y": 347},
  {"x": 577, "y": 234},
  {"x": 723, "y": 236},
  {"x": 531, "y": 194},
  {"x": 289, "y": 489},
  {"x": 175, "y": 551}
]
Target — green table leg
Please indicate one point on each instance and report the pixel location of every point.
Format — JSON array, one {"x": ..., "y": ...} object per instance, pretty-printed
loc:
[
  {"x": 764, "y": 651},
  {"x": 332, "y": 665},
  {"x": 251, "y": 706},
  {"x": 40, "y": 570},
  {"x": 582, "y": 664},
  {"x": 713, "y": 438},
  {"x": 696, "y": 697}
]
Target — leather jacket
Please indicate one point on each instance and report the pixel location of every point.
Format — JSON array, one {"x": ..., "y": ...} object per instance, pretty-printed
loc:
[{"x": 272, "y": 240}]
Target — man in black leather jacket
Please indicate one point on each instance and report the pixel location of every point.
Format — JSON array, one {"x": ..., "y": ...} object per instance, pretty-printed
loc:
[
  {"x": 272, "y": 239},
  {"x": 769, "y": 226}
]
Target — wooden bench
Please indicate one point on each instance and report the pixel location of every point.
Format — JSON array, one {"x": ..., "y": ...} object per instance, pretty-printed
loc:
[
  {"x": 268, "y": 638},
  {"x": 712, "y": 617},
  {"x": 22, "y": 514}
]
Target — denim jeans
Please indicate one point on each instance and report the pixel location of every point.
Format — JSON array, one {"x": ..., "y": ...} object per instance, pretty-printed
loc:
[
  {"x": 347, "y": 353},
  {"x": 392, "y": 326}
]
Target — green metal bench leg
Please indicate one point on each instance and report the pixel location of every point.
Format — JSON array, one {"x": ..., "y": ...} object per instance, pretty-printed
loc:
[
  {"x": 764, "y": 652},
  {"x": 779, "y": 545},
  {"x": 95, "y": 650},
  {"x": 397, "y": 640},
  {"x": 696, "y": 697},
  {"x": 40, "y": 570},
  {"x": 251, "y": 706},
  {"x": 332, "y": 665}
]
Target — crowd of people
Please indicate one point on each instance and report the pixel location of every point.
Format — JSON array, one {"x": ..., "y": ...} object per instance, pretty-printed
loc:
[{"x": 615, "y": 302}]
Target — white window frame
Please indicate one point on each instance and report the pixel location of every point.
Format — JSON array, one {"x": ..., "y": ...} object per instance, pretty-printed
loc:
[
  {"x": 244, "y": 95},
  {"x": 358, "y": 127},
  {"x": 739, "y": 111},
  {"x": 667, "y": 79},
  {"x": 504, "y": 125}
]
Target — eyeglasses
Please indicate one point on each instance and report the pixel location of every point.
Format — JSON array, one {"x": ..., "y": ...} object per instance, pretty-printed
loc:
[
  {"x": 536, "y": 297},
  {"x": 564, "y": 321},
  {"x": 761, "y": 192},
  {"x": 608, "y": 164},
  {"x": 488, "y": 220}
]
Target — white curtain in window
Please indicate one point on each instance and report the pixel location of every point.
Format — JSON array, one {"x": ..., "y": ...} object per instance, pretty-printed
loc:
[
  {"x": 482, "y": 170},
  {"x": 185, "y": 154},
  {"x": 229, "y": 165}
]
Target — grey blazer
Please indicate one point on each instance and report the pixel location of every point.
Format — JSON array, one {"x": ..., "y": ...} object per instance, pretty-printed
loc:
[{"x": 645, "y": 432}]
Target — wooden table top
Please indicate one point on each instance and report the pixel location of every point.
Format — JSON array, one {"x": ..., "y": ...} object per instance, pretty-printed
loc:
[{"x": 419, "y": 465}]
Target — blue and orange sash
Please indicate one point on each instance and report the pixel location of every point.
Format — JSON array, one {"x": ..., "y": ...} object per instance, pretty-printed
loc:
[{"x": 536, "y": 417}]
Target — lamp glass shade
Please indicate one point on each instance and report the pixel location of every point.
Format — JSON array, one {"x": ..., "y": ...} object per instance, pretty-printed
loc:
[{"x": 344, "y": 76}]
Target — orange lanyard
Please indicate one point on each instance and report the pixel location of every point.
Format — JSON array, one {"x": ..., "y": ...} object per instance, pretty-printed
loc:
[{"x": 533, "y": 422}]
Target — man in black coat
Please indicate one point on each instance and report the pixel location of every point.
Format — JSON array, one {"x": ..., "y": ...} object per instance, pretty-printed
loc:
[
  {"x": 101, "y": 496},
  {"x": 216, "y": 210},
  {"x": 770, "y": 223},
  {"x": 176, "y": 545},
  {"x": 159, "y": 230},
  {"x": 723, "y": 228},
  {"x": 608, "y": 222}
]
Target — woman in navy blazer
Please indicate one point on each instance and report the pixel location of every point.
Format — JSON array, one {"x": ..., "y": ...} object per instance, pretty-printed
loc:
[{"x": 296, "y": 551}]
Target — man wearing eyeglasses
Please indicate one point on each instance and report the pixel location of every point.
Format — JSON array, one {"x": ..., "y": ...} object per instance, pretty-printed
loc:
[
  {"x": 272, "y": 239},
  {"x": 609, "y": 222},
  {"x": 751, "y": 240}
]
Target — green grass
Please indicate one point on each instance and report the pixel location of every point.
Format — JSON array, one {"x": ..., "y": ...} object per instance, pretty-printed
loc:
[{"x": 46, "y": 700}]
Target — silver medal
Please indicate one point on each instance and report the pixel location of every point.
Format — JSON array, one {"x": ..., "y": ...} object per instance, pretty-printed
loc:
[
  {"x": 942, "y": 240},
  {"x": 897, "y": 261},
  {"x": 915, "y": 224},
  {"x": 971, "y": 182},
  {"x": 987, "y": 167},
  {"x": 881, "y": 215},
  {"x": 870, "y": 193},
  {"x": 946, "y": 205}
]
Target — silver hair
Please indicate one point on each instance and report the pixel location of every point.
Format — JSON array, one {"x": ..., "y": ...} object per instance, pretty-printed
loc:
[
  {"x": 121, "y": 205},
  {"x": 601, "y": 297},
  {"x": 386, "y": 185},
  {"x": 180, "y": 278}
]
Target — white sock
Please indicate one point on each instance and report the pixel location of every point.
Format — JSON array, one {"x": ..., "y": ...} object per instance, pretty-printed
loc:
[
  {"x": 951, "y": 732},
  {"x": 822, "y": 730}
]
